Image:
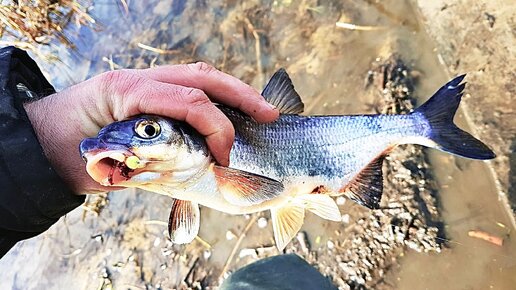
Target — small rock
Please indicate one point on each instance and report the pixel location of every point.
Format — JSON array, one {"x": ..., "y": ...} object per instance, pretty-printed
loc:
[
  {"x": 340, "y": 200},
  {"x": 248, "y": 252},
  {"x": 206, "y": 254},
  {"x": 345, "y": 218},
  {"x": 230, "y": 235},
  {"x": 262, "y": 222}
]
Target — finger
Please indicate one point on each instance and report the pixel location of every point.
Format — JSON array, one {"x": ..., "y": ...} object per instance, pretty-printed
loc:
[
  {"x": 136, "y": 95},
  {"x": 221, "y": 87}
]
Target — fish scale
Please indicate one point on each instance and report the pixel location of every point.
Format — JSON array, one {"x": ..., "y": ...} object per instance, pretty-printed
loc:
[{"x": 325, "y": 146}]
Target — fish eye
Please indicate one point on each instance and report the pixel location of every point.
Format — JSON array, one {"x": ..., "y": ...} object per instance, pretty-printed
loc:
[{"x": 147, "y": 129}]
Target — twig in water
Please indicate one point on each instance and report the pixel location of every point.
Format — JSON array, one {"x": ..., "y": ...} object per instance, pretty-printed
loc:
[
  {"x": 157, "y": 50},
  {"x": 237, "y": 244},
  {"x": 203, "y": 242},
  {"x": 126, "y": 7},
  {"x": 351, "y": 26},
  {"x": 257, "y": 48},
  {"x": 190, "y": 272},
  {"x": 112, "y": 64},
  {"x": 495, "y": 240}
]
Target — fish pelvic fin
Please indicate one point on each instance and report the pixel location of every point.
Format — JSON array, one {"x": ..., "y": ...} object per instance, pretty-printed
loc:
[
  {"x": 280, "y": 92},
  {"x": 287, "y": 220},
  {"x": 366, "y": 187},
  {"x": 184, "y": 221},
  {"x": 439, "y": 111},
  {"x": 244, "y": 188}
]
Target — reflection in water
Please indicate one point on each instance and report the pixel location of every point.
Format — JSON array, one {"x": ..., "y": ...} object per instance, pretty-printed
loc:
[{"x": 251, "y": 40}]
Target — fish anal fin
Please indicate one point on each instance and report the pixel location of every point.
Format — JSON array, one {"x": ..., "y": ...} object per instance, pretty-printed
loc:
[
  {"x": 244, "y": 188},
  {"x": 286, "y": 222},
  {"x": 366, "y": 187},
  {"x": 321, "y": 205},
  {"x": 280, "y": 92},
  {"x": 184, "y": 221}
]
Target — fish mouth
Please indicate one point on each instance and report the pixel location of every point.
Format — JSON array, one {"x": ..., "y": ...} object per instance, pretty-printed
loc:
[{"x": 113, "y": 167}]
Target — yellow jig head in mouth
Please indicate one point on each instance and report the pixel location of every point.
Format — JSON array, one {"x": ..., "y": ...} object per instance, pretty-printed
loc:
[
  {"x": 133, "y": 162},
  {"x": 112, "y": 167}
]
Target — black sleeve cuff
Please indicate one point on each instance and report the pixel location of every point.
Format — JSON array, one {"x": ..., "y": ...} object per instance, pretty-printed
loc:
[{"x": 32, "y": 195}]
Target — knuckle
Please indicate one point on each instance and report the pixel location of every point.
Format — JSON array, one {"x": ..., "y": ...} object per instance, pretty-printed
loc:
[
  {"x": 124, "y": 91},
  {"x": 119, "y": 82},
  {"x": 202, "y": 67},
  {"x": 196, "y": 97}
]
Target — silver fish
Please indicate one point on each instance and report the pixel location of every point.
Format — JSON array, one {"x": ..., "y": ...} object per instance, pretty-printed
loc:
[{"x": 294, "y": 164}]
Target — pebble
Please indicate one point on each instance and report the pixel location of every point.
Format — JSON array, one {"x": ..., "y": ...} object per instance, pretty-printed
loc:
[
  {"x": 206, "y": 254},
  {"x": 345, "y": 218},
  {"x": 262, "y": 222},
  {"x": 340, "y": 200},
  {"x": 303, "y": 242},
  {"x": 248, "y": 252},
  {"x": 230, "y": 235}
]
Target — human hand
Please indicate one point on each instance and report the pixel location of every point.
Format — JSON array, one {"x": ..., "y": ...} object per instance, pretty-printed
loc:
[{"x": 181, "y": 92}]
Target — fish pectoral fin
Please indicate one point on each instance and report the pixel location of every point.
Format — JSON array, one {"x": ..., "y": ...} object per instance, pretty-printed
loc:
[
  {"x": 244, "y": 188},
  {"x": 184, "y": 221},
  {"x": 280, "y": 92},
  {"x": 286, "y": 222},
  {"x": 321, "y": 205},
  {"x": 366, "y": 187}
]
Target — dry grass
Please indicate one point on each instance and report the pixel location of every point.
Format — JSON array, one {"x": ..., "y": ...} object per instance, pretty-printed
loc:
[{"x": 29, "y": 23}]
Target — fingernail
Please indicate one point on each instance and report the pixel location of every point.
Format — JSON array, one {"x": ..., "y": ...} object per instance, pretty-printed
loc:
[{"x": 271, "y": 106}]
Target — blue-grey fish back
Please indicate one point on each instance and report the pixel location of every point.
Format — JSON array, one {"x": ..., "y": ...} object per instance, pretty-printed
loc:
[{"x": 330, "y": 146}]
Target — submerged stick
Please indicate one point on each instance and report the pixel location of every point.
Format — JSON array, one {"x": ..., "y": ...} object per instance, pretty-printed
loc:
[
  {"x": 157, "y": 50},
  {"x": 495, "y": 240},
  {"x": 257, "y": 48},
  {"x": 352, "y": 26},
  {"x": 237, "y": 245}
]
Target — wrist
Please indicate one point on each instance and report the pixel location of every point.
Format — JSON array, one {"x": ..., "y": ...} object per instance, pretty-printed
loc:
[{"x": 52, "y": 131}]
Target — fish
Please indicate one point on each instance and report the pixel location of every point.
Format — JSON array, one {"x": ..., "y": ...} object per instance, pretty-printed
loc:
[{"x": 297, "y": 163}]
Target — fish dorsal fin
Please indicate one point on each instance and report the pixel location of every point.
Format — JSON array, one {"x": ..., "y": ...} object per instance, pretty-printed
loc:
[
  {"x": 286, "y": 222},
  {"x": 244, "y": 188},
  {"x": 280, "y": 92},
  {"x": 321, "y": 205},
  {"x": 184, "y": 221},
  {"x": 367, "y": 186}
]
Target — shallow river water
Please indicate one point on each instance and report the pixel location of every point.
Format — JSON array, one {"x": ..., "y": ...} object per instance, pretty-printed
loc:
[{"x": 328, "y": 66}]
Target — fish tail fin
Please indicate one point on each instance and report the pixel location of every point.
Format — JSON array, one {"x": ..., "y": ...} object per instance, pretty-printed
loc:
[
  {"x": 439, "y": 111},
  {"x": 287, "y": 220}
]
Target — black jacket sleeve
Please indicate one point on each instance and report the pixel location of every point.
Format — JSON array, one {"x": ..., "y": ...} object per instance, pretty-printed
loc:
[{"x": 32, "y": 195}]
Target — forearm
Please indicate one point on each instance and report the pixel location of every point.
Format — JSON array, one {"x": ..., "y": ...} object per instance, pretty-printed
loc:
[{"x": 32, "y": 195}]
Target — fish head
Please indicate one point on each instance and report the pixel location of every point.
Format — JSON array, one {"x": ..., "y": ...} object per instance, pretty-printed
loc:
[{"x": 144, "y": 150}]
